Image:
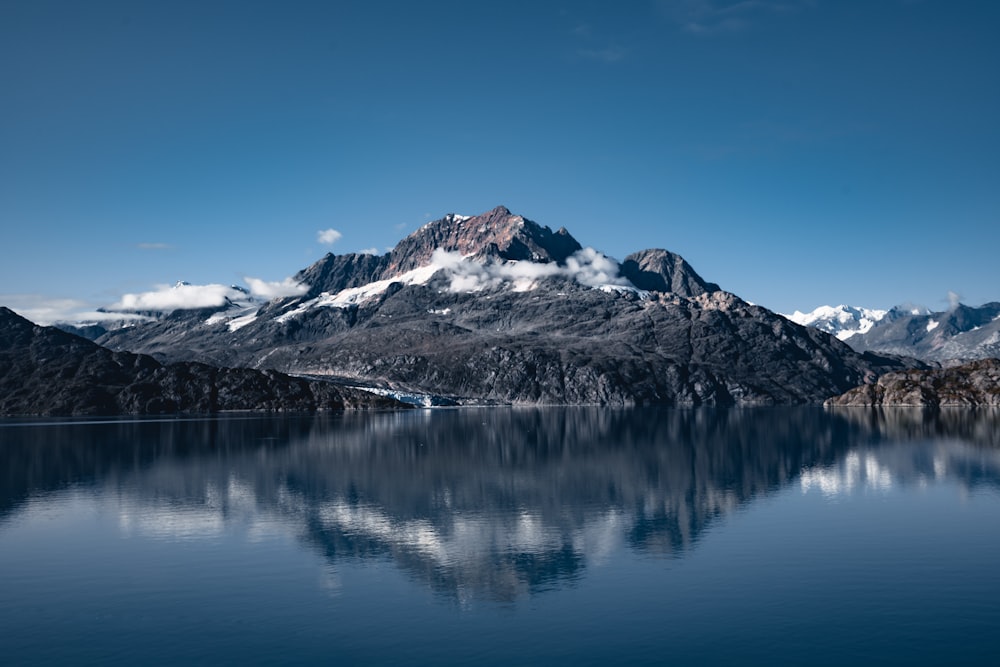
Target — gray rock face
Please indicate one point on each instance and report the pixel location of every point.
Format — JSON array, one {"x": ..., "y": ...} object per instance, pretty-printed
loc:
[
  {"x": 659, "y": 270},
  {"x": 551, "y": 336},
  {"x": 962, "y": 333},
  {"x": 497, "y": 233},
  {"x": 334, "y": 273},
  {"x": 974, "y": 384},
  {"x": 46, "y": 371},
  {"x": 90, "y": 331}
]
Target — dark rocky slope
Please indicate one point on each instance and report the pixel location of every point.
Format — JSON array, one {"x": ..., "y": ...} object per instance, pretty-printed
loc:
[
  {"x": 539, "y": 325},
  {"x": 46, "y": 371},
  {"x": 659, "y": 270},
  {"x": 973, "y": 384}
]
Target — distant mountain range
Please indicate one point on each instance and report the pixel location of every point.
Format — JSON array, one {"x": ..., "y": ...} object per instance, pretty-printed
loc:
[
  {"x": 840, "y": 321},
  {"x": 495, "y": 308},
  {"x": 961, "y": 333}
]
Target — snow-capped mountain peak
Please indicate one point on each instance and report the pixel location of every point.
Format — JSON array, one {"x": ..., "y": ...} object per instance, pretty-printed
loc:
[{"x": 841, "y": 321}]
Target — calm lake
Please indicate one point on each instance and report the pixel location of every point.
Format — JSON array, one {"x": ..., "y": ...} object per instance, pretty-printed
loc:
[{"x": 572, "y": 536}]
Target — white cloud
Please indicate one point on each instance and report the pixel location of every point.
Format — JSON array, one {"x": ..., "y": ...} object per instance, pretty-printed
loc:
[
  {"x": 593, "y": 269},
  {"x": 274, "y": 290},
  {"x": 328, "y": 236},
  {"x": 181, "y": 296},
  {"x": 587, "y": 266},
  {"x": 368, "y": 251},
  {"x": 47, "y": 310},
  {"x": 954, "y": 300}
]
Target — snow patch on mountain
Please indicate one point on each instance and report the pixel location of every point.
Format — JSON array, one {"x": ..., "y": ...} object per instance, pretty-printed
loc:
[
  {"x": 238, "y": 310},
  {"x": 242, "y": 321},
  {"x": 354, "y": 296},
  {"x": 841, "y": 321},
  {"x": 587, "y": 267},
  {"x": 450, "y": 217}
]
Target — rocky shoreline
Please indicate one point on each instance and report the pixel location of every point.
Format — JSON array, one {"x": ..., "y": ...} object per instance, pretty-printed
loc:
[{"x": 976, "y": 383}]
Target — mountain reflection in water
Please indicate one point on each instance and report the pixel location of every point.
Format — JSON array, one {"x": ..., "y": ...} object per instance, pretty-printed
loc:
[{"x": 493, "y": 503}]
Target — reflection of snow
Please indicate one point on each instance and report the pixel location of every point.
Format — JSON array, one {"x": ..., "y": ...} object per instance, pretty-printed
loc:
[
  {"x": 471, "y": 538},
  {"x": 467, "y": 536},
  {"x": 600, "y": 537},
  {"x": 856, "y": 471},
  {"x": 220, "y": 509},
  {"x": 330, "y": 581},
  {"x": 170, "y": 521},
  {"x": 940, "y": 467}
]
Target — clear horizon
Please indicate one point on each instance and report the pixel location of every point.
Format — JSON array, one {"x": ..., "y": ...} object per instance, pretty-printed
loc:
[{"x": 796, "y": 152}]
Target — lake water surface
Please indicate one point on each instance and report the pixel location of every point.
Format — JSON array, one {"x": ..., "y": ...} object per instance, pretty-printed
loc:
[{"x": 570, "y": 536}]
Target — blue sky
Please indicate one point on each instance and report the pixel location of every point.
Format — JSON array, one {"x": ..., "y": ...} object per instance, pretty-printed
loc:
[{"x": 797, "y": 152}]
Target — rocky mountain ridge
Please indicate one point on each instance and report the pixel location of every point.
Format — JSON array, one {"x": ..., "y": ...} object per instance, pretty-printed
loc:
[
  {"x": 961, "y": 333},
  {"x": 497, "y": 234},
  {"x": 46, "y": 371}
]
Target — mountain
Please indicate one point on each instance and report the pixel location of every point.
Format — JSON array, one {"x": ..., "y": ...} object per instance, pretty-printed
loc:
[
  {"x": 46, "y": 371},
  {"x": 496, "y": 308},
  {"x": 496, "y": 235},
  {"x": 976, "y": 383},
  {"x": 841, "y": 321},
  {"x": 960, "y": 333}
]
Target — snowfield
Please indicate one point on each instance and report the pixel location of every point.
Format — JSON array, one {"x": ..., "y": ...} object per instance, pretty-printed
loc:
[{"x": 841, "y": 321}]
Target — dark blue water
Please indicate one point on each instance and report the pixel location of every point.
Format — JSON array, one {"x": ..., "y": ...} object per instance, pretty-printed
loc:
[{"x": 524, "y": 536}]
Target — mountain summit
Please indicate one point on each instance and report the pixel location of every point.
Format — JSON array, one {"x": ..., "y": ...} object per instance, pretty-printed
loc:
[
  {"x": 495, "y": 308},
  {"x": 497, "y": 234}
]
